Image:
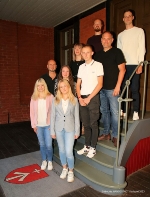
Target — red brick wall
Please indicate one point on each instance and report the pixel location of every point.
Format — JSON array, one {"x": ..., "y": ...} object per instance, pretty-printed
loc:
[
  {"x": 86, "y": 24},
  {"x": 24, "y": 52},
  {"x": 34, "y": 52}
]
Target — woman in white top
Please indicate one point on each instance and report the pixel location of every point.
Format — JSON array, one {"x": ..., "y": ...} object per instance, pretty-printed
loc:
[
  {"x": 40, "y": 110},
  {"x": 65, "y": 126}
]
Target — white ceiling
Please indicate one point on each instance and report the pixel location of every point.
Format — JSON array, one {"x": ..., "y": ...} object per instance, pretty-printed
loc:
[{"x": 43, "y": 13}]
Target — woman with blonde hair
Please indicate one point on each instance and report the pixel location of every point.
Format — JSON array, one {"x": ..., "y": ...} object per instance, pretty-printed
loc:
[
  {"x": 77, "y": 60},
  {"x": 65, "y": 126},
  {"x": 40, "y": 110}
]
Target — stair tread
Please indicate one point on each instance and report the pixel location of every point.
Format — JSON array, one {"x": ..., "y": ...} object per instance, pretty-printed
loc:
[
  {"x": 130, "y": 120},
  {"x": 99, "y": 157},
  {"x": 105, "y": 143},
  {"x": 122, "y": 133},
  {"x": 108, "y": 144},
  {"x": 96, "y": 176}
]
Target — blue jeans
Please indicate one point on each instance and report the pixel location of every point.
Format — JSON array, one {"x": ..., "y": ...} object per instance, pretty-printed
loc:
[
  {"x": 65, "y": 143},
  {"x": 109, "y": 108},
  {"x": 45, "y": 141}
]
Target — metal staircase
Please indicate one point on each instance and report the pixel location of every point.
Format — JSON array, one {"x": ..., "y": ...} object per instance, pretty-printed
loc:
[{"x": 98, "y": 171}]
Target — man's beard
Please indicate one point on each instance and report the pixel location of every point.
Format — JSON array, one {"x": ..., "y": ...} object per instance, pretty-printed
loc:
[
  {"x": 52, "y": 70},
  {"x": 97, "y": 29}
]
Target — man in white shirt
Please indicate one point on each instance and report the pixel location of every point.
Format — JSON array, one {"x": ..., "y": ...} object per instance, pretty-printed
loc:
[
  {"x": 89, "y": 83},
  {"x": 132, "y": 43}
]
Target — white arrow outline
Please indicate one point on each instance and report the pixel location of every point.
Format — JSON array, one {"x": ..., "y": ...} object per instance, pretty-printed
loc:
[{"x": 22, "y": 175}]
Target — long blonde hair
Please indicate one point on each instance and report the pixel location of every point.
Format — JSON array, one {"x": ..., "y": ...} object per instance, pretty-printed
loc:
[
  {"x": 73, "y": 51},
  {"x": 59, "y": 95},
  {"x": 35, "y": 94}
]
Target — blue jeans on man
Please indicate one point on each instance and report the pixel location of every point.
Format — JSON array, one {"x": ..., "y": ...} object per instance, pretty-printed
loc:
[
  {"x": 109, "y": 108},
  {"x": 45, "y": 141}
]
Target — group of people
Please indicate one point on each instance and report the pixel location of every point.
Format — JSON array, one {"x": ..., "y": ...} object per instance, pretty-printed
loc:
[{"x": 89, "y": 85}]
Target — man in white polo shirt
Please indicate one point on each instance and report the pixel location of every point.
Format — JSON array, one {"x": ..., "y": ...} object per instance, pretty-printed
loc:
[{"x": 89, "y": 83}]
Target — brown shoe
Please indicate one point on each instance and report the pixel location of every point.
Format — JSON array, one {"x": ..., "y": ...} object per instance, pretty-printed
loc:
[
  {"x": 104, "y": 137},
  {"x": 114, "y": 140}
]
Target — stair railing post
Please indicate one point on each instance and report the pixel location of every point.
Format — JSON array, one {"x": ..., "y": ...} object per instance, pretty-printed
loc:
[
  {"x": 144, "y": 90},
  {"x": 127, "y": 96},
  {"x": 120, "y": 100},
  {"x": 118, "y": 137}
]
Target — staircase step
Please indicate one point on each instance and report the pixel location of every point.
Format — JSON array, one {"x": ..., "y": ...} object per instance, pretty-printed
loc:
[
  {"x": 100, "y": 161},
  {"x": 105, "y": 146},
  {"x": 122, "y": 131},
  {"x": 122, "y": 125},
  {"x": 96, "y": 178},
  {"x": 130, "y": 121},
  {"x": 93, "y": 177}
]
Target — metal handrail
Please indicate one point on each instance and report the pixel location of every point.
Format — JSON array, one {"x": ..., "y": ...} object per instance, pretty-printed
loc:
[{"x": 127, "y": 99}]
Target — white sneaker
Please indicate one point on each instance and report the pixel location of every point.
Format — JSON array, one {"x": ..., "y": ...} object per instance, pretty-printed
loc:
[
  {"x": 91, "y": 153},
  {"x": 64, "y": 173},
  {"x": 50, "y": 165},
  {"x": 70, "y": 177},
  {"x": 44, "y": 164},
  {"x": 83, "y": 150},
  {"x": 135, "y": 116}
]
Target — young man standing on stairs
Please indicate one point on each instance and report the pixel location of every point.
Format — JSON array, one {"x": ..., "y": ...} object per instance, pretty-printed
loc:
[
  {"x": 89, "y": 83},
  {"x": 114, "y": 69},
  {"x": 132, "y": 43}
]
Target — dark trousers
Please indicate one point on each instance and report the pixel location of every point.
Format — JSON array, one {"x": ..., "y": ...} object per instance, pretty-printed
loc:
[
  {"x": 134, "y": 87},
  {"x": 89, "y": 116}
]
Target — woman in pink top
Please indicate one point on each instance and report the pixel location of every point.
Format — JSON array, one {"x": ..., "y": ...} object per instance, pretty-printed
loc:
[{"x": 40, "y": 110}]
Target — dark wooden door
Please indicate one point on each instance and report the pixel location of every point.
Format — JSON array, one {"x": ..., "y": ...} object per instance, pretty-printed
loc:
[{"x": 142, "y": 11}]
